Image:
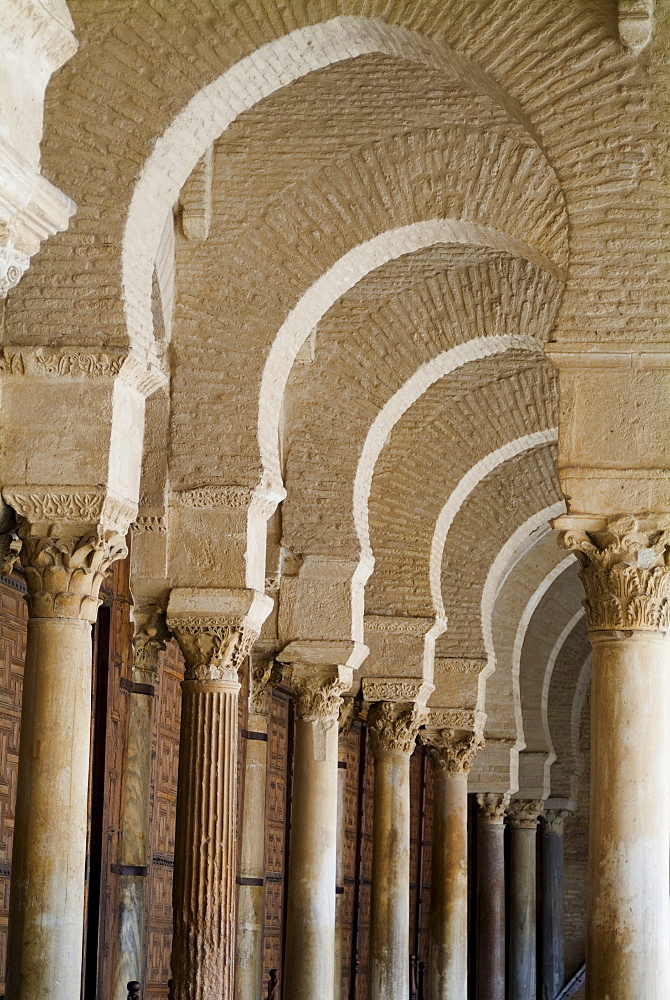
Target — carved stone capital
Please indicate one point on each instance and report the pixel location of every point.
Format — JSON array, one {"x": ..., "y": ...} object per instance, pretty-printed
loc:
[
  {"x": 523, "y": 814},
  {"x": 492, "y": 807},
  {"x": 554, "y": 820},
  {"x": 452, "y": 750},
  {"x": 70, "y": 509},
  {"x": 13, "y": 265},
  {"x": 63, "y": 572},
  {"x": 349, "y": 712},
  {"x": 394, "y": 727},
  {"x": 319, "y": 692},
  {"x": 214, "y": 646},
  {"x": 625, "y": 570},
  {"x": 636, "y": 23},
  {"x": 265, "y": 675},
  {"x": 150, "y": 638}
]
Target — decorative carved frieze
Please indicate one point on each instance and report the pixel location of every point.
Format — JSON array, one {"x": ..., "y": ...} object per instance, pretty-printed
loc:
[
  {"x": 554, "y": 820},
  {"x": 150, "y": 638},
  {"x": 396, "y": 689},
  {"x": 394, "y": 727},
  {"x": 523, "y": 814},
  {"x": 63, "y": 573},
  {"x": 13, "y": 265},
  {"x": 451, "y": 749},
  {"x": 214, "y": 646},
  {"x": 492, "y": 807},
  {"x": 458, "y": 665},
  {"x": 49, "y": 505},
  {"x": 265, "y": 675},
  {"x": 215, "y": 497},
  {"x": 625, "y": 571},
  {"x": 154, "y": 523},
  {"x": 457, "y": 718},
  {"x": 398, "y": 625}
]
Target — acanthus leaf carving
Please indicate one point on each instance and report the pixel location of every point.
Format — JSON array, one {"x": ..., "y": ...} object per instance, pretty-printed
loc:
[
  {"x": 523, "y": 814},
  {"x": 625, "y": 569},
  {"x": 396, "y": 689},
  {"x": 265, "y": 675},
  {"x": 399, "y": 624},
  {"x": 214, "y": 646},
  {"x": 150, "y": 638},
  {"x": 48, "y": 505},
  {"x": 63, "y": 573},
  {"x": 451, "y": 749},
  {"x": 394, "y": 727},
  {"x": 215, "y": 497},
  {"x": 492, "y": 807}
]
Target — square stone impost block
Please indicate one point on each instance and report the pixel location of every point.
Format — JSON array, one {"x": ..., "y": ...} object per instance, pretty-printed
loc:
[
  {"x": 314, "y": 654},
  {"x": 400, "y": 645},
  {"x": 246, "y": 609},
  {"x": 457, "y": 682},
  {"x": 614, "y": 435}
]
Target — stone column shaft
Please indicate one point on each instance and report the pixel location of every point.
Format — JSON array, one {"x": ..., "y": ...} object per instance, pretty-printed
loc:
[
  {"x": 151, "y": 636},
  {"x": 626, "y": 576},
  {"x": 523, "y": 816},
  {"x": 393, "y": 730},
  {"x": 251, "y": 890},
  {"x": 491, "y": 897},
  {"x": 452, "y": 754},
  {"x": 310, "y": 936},
  {"x": 552, "y": 973},
  {"x": 46, "y": 917},
  {"x": 203, "y": 944}
]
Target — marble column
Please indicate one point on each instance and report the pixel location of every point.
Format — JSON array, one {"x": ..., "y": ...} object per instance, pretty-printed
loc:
[
  {"x": 348, "y": 714},
  {"x": 64, "y": 565},
  {"x": 265, "y": 674},
  {"x": 393, "y": 729},
  {"x": 627, "y": 582},
  {"x": 214, "y": 647},
  {"x": 491, "y": 896},
  {"x": 523, "y": 815},
  {"x": 552, "y": 966},
  {"x": 452, "y": 753},
  {"x": 310, "y": 919},
  {"x": 150, "y": 638}
]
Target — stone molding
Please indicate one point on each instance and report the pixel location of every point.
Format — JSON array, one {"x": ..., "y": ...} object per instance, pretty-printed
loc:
[
  {"x": 492, "y": 807},
  {"x": 71, "y": 505},
  {"x": 13, "y": 265},
  {"x": 452, "y": 750},
  {"x": 458, "y": 665},
  {"x": 625, "y": 569},
  {"x": 214, "y": 497},
  {"x": 398, "y": 625},
  {"x": 523, "y": 814},
  {"x": 396, "y": 689},
  {"x": 554, "y": 820},
  {"x": 265, "y": 675},
  {"x": 150, "y": 638},
  {"x": 214, "y": 646},
  {"x": 63, "y": 573},
  {"x": 144, "y": 375},
  {"x": 394, "y": 727},
  {"x": 457, "y": 718}
]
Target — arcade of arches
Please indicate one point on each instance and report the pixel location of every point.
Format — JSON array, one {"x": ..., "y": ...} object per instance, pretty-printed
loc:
[{"x": 335, "y": 499}]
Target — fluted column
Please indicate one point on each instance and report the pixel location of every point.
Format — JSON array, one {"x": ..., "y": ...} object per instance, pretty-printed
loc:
[
  {"x": 627, "y": 582},
  {"x": 310, "y": 920},
  {"x": 150, "y": 638},
  {"x": 214, "y": 645},
  {"x": 64, "y": 565},
  {"x": 265, "y": 675},
  {"x": 452, "y": 753},
  {"x": 393, "y": 729},
  {"x": 491, "y": 896},
  {"x": 523, "y": 815},
  {"x": 552, "y": 972}
]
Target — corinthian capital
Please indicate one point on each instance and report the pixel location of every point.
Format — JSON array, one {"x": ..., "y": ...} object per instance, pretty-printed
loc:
[
  {"x": 554, "y": 820},
  {"x": 523, "y": 814},
  {"x": 625, "y": 570},
  {"x": 492, "y": 807},
  {"x": 394, "y": 727},
  {"x": 451, "y": 749},
  {"x": 265, "y": 675},
  {"x": 149, "y": 639},
  {"x": 319, "y": 692},
  {"x": 216, "y": 629},
  {"x": 64, "y": 571}
]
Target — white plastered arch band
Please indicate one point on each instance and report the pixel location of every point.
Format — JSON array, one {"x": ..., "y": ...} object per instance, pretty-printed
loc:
[{"x": 213, "y": 108}]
